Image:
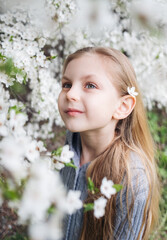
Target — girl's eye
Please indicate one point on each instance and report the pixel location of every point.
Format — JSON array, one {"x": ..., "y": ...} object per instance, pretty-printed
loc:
[
  {"x": 90, "y": 85},
  {"x": 66, "y": 85}
]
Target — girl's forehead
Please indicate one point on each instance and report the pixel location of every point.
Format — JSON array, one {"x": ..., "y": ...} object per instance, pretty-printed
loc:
[
  {"x": 91, "y": 61},
  {"x": 95, "y": 63},
  {"x": 86, "y": 64}
]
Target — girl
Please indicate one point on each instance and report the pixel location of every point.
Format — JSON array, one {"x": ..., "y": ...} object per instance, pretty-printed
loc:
[{"x": 109, "y": 135}]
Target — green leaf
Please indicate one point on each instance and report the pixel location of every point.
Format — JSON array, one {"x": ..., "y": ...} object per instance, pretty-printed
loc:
[
  {"x": 117, "y": 187},
  {"x": 11, "y": 39},
  {"x": 16, "y": 108},
  {"x": 53, "y": 57},
  {"x": 57, "y": 152},
  {"x": 2, "y": 56},
  {"x": 70, "y": 164},
  {"x": 25, "y": 78},
  {"x": 88, "y": 207},
  {"x": 11, "y": 195},
  {"x": 91, "y": 186},
  {"x": 51, "y": 209},
  {"x": 23, "y": 183},
  {"x": 96, "y": 190}
]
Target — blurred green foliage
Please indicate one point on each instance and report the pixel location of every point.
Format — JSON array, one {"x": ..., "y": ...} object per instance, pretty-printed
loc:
[
  {"x": 158, "y": 126},
  {"x": 7, "y": 66},
  {"x": 16, "y": 236},
  {"x": 18, "y": 88}
]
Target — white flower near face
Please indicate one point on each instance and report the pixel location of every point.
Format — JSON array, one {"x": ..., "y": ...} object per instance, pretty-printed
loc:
[
  {"x": 106, "y": 188},
  {"x": 66, "y": 155},
  {"x": 72, "y": 202},
  {"x": 99, "y": 207},
  {"x": 131, "y": 91}
]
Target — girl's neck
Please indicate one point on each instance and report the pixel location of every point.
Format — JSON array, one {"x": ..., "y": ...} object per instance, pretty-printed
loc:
[{"x": 93, "y": 144}]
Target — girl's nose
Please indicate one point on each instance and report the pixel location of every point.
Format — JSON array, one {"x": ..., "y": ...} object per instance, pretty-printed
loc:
[{"x": 73, "y": 94}]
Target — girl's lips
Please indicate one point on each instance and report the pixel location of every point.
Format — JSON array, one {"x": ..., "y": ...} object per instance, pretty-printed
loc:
[{"x": 73, "y": 112}]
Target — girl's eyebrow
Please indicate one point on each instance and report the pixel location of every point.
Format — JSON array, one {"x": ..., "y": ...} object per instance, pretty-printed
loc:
[
  {"x": 84, "y": 77},
  {"x": 66, "y": 78}
]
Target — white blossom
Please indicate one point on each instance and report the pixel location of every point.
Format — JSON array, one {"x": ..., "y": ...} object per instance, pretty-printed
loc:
[
  {"x": 16, "y": 122},
  {"x": 66, "y": 155},
  {"x": 5, "y": 79},
  {"x": 43, "y": 188},
  {"x": 12, "y": 156},
  {"x": 59, "y": 165},
  {"x": 4, "y": 106},
  {"x": 99, "y": 207},
  {"x": 32, "y": 151},
  {"x": 106, "y": 188},
  {"x": 131, "y": 91},
  {"x": 72, "y": 202},
  {"x": 3, "y": 130},
  {"x": 52, "y": 229}
]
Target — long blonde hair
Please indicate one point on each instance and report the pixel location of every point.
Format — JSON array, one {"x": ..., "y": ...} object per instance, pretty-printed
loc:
[{"x": 131, "y": 134}]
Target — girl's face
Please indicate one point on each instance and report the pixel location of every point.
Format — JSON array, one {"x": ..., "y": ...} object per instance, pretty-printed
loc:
[{"x": 88, "y": 98}]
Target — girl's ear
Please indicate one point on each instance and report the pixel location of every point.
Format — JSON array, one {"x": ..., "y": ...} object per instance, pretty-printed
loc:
[{"x": 125, "y": 107}]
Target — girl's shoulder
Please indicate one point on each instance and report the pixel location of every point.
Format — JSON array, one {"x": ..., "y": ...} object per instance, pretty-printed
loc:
[
  {"x": 136, "y": 161},
  {"x": 131, "y": 201},
  {"x": 139, "y": 184}
]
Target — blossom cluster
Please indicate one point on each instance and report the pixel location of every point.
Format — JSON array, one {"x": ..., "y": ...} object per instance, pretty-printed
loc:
[
  {"x": 107, "y": 189},
  {"x": 25, "y": 31},
  {"x": 31, "y": 183}
]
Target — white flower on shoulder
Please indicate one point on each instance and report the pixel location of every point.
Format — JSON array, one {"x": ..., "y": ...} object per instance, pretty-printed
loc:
[
  {"x": 99, "y": 207},
  {"x": 72, "y": 202},
  {"x": 66, "y": 155},
  {"x": 59, "y": 165},
  {"x": 107, "y": 188},
  {"x": 131, "y": 91}
]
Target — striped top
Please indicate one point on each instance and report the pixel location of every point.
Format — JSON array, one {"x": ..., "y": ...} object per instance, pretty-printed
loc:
[{"x": 75, "y": 179}]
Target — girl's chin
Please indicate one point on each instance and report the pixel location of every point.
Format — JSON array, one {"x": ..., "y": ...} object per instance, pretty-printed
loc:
[{"x": 74, "y": 129}]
